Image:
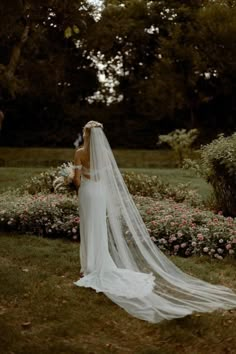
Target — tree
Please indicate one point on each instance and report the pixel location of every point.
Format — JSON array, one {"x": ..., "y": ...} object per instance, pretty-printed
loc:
[{"x": 180, "y": 141}]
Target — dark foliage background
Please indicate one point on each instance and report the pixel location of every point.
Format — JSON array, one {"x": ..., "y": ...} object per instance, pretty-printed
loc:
[{"x": 168, "y": 64}]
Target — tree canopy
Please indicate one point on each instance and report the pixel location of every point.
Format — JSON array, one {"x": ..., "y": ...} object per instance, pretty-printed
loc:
[{"x": 141, "y": 67}]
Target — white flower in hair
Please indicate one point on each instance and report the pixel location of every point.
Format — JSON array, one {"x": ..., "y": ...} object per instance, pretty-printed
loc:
[{"x": 93, "y": 124}]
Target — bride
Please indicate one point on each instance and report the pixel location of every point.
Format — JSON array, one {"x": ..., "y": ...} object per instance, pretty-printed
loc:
[{"x": 117, "y": 255}]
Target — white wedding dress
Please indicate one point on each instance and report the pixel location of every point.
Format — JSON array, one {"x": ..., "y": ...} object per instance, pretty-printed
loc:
[{"x": 118, "y": 257}]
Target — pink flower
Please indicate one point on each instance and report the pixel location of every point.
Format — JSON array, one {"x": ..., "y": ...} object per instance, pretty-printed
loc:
[
  {"x": 172, "y": 238},
  {"x": 205, "y": 249},
  {"x": 194, "y": 244},
  {"x": 183, "y": 245},
  {"x": 231, "y": 251},
  {"x": 228, "y": 246},
  {"x": 229, "y": 219},
  {"x": 74, "y": 230},
  {"x": 176, "y": 247},
  {"x": 200, "y": 237}
]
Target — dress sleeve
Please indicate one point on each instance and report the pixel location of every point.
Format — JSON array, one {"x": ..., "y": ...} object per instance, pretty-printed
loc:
[{"x": 78, "y": 167}]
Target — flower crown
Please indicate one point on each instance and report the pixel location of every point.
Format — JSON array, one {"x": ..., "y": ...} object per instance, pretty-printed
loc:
[{"x": 93, "y": 124}]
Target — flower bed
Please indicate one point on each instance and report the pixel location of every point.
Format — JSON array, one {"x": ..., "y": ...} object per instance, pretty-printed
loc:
[
  {"x": 176, "y": 228},
  {"x": 51, "y": 215},
  {"x": 179, "y": 229}
]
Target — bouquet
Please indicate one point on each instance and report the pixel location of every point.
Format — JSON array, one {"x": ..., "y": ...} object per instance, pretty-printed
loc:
[{"x": 64, "y": 182}]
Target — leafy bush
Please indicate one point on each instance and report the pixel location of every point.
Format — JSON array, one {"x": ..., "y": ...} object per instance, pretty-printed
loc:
[
  {"x": 180, "y": 140},
  {"x": 139, "y": 184},
  {"x": 174, "y": 227},
  {"x": 51, "y": 215},
  {"x": 178, "y": 229},
  {"x": 155, "y": 187},
  {"x": 44, "y": 183},
  {"x": 218, "y": 166}
]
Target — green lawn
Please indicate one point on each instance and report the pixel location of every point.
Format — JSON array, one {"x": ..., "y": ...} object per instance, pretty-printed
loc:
[
  {"x": 25, "y": 157},
  {"x": 11, "y": 177},
  {"x": 41, "y": 311}
]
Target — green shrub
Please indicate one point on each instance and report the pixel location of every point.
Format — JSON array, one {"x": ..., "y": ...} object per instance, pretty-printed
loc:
[
  {"x": 138, "y": 184},
  {"x": 180, "y": 140},
  {"x": 155, "y": 187},
  {"x": 175, "y": 228},
  {"x": 178, "y": 229},
  {"x": 51, "y": 215},
  {"x": 218, "y": 166},
  {"x": 44, "y": 183}
]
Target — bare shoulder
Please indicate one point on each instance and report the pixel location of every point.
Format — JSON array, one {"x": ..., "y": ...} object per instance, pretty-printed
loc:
[
  {"x": 79, "y": 152},
  {"x": 78, "y": 156}
]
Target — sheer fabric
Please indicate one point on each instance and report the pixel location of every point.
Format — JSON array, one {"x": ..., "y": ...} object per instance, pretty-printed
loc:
[{"x": 119, "y": 258}]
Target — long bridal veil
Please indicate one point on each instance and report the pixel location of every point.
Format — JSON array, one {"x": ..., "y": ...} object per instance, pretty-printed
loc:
[{"x": 173, "y": 293}]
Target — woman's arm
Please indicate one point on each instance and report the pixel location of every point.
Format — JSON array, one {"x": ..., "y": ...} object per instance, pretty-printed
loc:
[{"x": 77, "y": 163}]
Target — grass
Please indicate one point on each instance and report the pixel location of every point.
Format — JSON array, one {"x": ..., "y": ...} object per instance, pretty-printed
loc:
[
  {"x": 12, "y": 177},
  {"x": 25, "y": 157},
  {"x": 42, "y": 311}
]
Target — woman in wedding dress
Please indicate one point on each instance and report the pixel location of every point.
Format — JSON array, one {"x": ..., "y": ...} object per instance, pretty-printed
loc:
[{"x": 117, "y": 254}]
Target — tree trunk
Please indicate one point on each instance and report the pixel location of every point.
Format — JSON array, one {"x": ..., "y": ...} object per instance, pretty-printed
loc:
[{"x": 16, "y": 53}]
